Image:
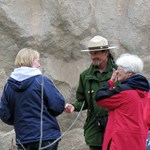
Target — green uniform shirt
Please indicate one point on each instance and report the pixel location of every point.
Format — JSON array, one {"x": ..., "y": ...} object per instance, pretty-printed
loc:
[{"x": 90, "y": 81}]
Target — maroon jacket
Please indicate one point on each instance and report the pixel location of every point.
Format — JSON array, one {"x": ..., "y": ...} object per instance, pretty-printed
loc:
[{"x": 125, "y": 129}]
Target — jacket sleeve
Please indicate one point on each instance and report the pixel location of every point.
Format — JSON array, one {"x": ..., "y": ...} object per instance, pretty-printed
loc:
[
  {"x": 110, "y": 99},
  {"x": 80, "y": 96},
  {"x": 146, "y": 114},
  {"x": 53, "y": 98},
  {"x": 5, "y": 114}
]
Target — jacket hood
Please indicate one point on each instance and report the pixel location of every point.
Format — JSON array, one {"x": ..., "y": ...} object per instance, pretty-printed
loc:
[
  {"x": 138, "y": 82},
  {"x": 21, "y": 78}
]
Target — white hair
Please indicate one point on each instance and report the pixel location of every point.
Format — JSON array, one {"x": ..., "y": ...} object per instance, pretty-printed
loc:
[{"x": 130, "y": 63}]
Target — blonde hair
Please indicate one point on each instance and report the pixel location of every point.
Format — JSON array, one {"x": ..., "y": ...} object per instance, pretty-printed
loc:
[{"x": 25, "y": 57}]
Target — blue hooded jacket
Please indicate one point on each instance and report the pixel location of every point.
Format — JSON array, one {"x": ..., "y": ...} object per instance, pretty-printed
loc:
[{"x": 21, "y": 102}]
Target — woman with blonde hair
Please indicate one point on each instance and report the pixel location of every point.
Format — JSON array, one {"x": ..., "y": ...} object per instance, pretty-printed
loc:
[{"x": 30, "y": 102}]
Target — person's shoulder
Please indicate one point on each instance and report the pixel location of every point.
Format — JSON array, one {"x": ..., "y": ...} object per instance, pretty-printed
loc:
[
  {"x": 124, "y": 87},
  {"x": 41, "y": 78},
  {"x": 88, "y": 71}
]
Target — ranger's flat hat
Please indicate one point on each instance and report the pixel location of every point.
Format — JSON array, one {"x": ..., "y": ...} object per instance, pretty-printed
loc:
[{"x": 98, "y": 43}]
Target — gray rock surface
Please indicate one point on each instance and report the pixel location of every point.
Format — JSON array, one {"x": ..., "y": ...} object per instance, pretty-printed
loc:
[{"x": 59, "y": 29}]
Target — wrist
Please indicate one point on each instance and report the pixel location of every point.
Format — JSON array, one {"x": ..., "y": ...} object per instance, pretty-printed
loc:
[{"x": 111, "y": 83}]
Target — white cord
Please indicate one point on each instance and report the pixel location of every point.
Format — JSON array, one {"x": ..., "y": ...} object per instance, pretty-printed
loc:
[
  {"x": 21, "y": 144},
  {"x": 41, "y": 122},
  {"x": 66, "y": 130}
]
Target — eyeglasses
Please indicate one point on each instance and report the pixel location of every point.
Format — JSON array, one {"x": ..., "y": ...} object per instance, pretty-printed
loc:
[
  {"x": 120, "y": 69},
  {"x": 125, "y": 69}
]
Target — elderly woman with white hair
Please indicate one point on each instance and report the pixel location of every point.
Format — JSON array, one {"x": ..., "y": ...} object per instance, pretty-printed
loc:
[{"x": 125, "y": 128}]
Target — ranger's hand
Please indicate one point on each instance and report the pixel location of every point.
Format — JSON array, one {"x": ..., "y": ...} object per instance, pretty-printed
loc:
[{"x": 69, "y": 108}]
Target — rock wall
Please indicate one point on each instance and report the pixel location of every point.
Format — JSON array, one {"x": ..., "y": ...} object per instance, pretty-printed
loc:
[{"x": 59, "y": 29}]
